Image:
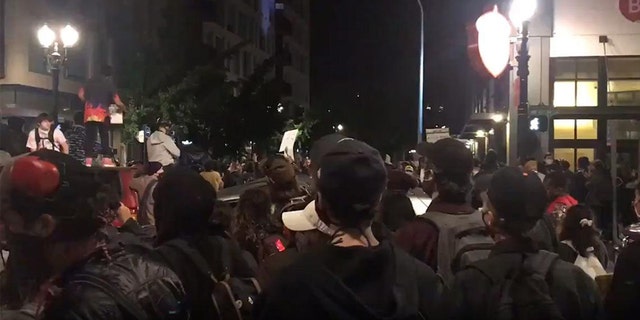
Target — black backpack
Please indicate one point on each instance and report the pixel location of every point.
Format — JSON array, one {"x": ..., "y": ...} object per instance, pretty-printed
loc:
[
  {"x": 522, "y": 292},
  {"x": 36, "y": 134},
  {"x": 232, "y": 297}
]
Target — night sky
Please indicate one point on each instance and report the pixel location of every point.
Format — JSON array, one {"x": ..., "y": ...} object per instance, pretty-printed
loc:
[{"x": 370, "y": 47}]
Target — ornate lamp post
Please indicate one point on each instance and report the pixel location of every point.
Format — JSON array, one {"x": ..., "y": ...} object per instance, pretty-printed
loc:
[
  {"x": 519, "y": 14},
  {"x": 55, "y": 46}
]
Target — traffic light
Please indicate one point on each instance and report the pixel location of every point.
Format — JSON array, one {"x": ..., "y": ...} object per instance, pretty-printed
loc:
[{"x": 539, "y": 123}]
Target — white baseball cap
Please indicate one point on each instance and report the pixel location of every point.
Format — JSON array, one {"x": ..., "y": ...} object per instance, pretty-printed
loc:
[{"x": 305, "y": 220}]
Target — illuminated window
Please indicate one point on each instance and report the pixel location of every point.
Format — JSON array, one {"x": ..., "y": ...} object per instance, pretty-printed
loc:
[
  {"x": 572, "y": 155},
  {"x": 569, "y": 129},
  {"x": 564, "y": 129},
  {"x": 586, "y": 152},
  {"x": 586, "y": 129},
  {"x": 624, "y": 93},
  {"x": 575, "y": 82},
  {"x": 624, "y": 81},
  {"x": 564, "y": 94}
]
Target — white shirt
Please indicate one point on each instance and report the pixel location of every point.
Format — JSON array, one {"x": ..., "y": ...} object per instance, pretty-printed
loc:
[{"x": 44, "y": 143}]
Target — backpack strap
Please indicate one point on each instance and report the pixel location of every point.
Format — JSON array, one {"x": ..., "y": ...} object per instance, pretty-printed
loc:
[
  {"x": 225, "y": 257},
  {"x": 50, "y": 137},
  {"x": 36, "y": 135},
  {"x": 193, "y": 255},
  {"x": 125, "y": 302},
  {"x": 541, "y": 262}
]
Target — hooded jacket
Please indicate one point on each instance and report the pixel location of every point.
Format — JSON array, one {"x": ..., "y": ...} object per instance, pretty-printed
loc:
[
  {"x": 161, "y": 148},
  {"x": 352, "y": 283}
]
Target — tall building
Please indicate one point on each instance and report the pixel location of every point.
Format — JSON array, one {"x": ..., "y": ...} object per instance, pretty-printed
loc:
[
  {"x": 25, "y": 83},
  {"x": 271, "y": 27},
  {"x": 585, "y": 76}
]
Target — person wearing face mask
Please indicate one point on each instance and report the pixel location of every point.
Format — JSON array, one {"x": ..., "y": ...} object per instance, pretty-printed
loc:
[
  {"x": 519, "y": 281},
  {"x": 623, "y": 299},
  {"x": 56, "y": 211},
  {"x": 355, "y": 276}
]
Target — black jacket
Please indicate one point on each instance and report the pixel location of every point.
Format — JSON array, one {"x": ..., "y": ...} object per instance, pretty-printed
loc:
[
  {"x": 575, "y": 294},
  {"x": 623, "y": 300},
  {"x": 352, "y": 283},
  {"x": 146, "y": 283}
]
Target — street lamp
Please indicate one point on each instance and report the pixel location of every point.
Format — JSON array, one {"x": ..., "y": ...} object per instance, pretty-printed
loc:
[
  {"x": 340, "y": 127},
  {"x": 421, "y": 82},
  {"x": 56, "y": 57},
  {"x": 520, "y": 13}
]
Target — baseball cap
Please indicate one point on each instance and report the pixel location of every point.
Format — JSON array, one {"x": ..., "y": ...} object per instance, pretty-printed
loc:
[
  {"x": 517, "y": 196},
  {"x": 351, "y": 179},
  {"x": 305, "y": 220},
  {"x": 323, "y": 145},
  {"x": 279, "y": 170}
]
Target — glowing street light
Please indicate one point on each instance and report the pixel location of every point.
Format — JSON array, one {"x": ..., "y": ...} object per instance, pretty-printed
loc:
[
  {"x": 55, "y": 47},
  {"x": 521, "y": 11},
  {"x": 69, "y": 36},
  {"x": 340, "y": 127},
  {"x": 46, "y": 36}
]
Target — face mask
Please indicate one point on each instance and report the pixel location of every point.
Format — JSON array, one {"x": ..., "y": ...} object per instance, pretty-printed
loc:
[{"x": 548, "y": 161}]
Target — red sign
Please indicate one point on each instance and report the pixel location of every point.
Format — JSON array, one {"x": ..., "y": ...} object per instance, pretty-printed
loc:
[{"x": 630, "y": 9}]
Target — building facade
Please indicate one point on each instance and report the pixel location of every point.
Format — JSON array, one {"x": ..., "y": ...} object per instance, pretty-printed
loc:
[
  {"x": 25, "y": 83},
  {"x": 585, "y": 76},
  {"x": 269, "y": 27}
]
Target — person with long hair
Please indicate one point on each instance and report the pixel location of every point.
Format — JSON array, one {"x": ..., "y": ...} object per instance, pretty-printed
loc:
[
  {"x": 578, "y": 237},
  {"x": 253, "y": 223}
]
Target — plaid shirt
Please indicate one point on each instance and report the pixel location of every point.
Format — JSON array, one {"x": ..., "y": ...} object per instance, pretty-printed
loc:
[{"x": 75, "y": 138}]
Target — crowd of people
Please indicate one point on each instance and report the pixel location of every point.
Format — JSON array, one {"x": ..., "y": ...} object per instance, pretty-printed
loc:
[{"x": 495, "y": 243}]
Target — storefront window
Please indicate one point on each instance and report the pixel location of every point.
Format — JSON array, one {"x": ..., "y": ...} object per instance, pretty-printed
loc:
[
  {"x": 568, "y": 154},
  {"x": 586, "y": 152},
  {"x": 569, "y": 129},
  {"x": 575, "y": 83},
  {"x": 587, "y": 129},
  {"x": 564, "y": 129},
  {"x": 572, "y": 155},
  {"x": 624, "y": 82}
]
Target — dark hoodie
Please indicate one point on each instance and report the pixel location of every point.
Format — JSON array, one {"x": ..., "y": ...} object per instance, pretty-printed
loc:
[{"x": 332, "y": 282}]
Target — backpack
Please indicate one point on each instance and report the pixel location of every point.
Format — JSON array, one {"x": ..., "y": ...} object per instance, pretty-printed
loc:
[
  {"x": 462, "y": 239},
  {"x": 232, "y": 297},
  {"x": 589, "y": 264},
  {"x": 36, "y": 134},
  {"x": 544, "y": 234},
  {"x": 522, "y": 292}
]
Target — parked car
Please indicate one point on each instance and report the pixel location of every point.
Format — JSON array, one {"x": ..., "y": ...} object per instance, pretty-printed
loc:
[{"x": 228, "y": 197}]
